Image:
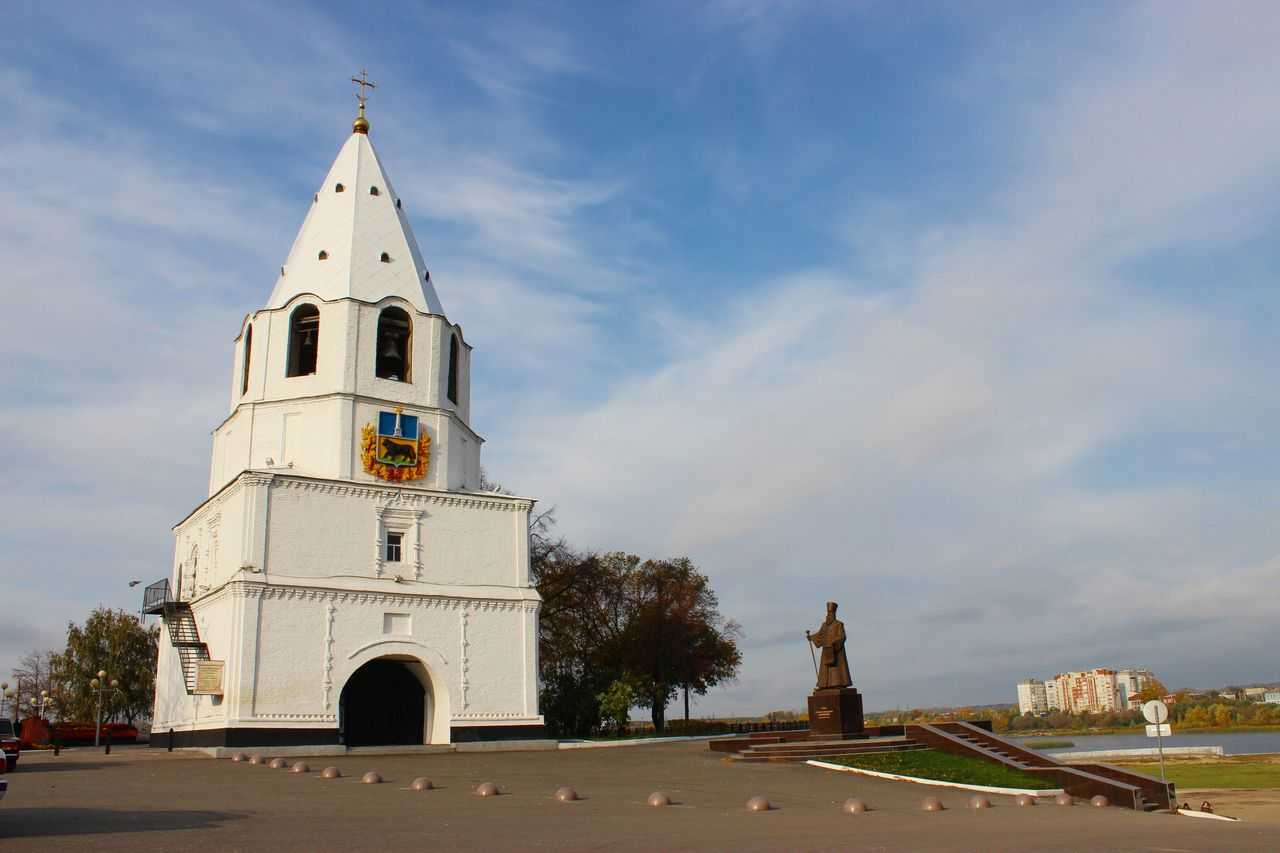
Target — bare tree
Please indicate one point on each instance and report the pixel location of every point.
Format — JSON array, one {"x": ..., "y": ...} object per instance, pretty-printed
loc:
[{"x": 32, "y": 676}]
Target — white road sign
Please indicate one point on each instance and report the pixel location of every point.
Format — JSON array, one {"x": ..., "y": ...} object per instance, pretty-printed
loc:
[
  {"x": 1155, "y": 711},
  {"x": 1160, "y": 731}
]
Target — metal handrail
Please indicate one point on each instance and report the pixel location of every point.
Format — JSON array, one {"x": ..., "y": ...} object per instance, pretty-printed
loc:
[{"x": 155, "y": 596}]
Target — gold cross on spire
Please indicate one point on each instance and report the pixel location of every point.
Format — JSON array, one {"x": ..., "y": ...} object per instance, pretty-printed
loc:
[{"x": 361, "y": 124}]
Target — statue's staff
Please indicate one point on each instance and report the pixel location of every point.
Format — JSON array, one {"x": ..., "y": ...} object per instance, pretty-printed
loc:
[{"x": 809, "y": 637}]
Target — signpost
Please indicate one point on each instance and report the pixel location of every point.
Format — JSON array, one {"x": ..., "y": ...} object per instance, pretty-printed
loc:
[{"x": 1156, "y": 713}]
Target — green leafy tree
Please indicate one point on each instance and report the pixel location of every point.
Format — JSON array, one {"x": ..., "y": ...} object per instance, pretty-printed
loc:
[
  {"x": 579, "y": 632},
  {"x": 675, "y": 637},
  {"x": 115, "y": 642},
  {"x": 1154, "y": 689},
  {"x": 615, "y": 704},
  {"x": 1197, "y": 717},
  {"x": 598, "y": 613}
]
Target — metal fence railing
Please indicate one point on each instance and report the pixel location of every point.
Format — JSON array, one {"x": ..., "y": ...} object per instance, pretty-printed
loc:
[{"x": 155, "y": 596}]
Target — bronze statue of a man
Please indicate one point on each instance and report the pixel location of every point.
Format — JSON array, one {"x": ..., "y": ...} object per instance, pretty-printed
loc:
[{"x": 833, "y": 670}]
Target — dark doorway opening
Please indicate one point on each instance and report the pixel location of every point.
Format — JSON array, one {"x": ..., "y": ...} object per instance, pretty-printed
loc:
[{"x": 383, "y": 703}]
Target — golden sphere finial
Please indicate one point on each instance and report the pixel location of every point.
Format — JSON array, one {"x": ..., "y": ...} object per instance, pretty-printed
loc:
[{"x": 361, "y": 124}]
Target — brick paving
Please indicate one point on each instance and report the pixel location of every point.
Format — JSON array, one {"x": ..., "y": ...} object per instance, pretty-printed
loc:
[{"x": 139, "y": 800}]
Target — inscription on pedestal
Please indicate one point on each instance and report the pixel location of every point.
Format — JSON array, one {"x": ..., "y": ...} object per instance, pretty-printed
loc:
[{"x": 835, "y": 712}]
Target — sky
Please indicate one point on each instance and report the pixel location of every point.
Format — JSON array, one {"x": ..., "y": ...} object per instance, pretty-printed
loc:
[{"x": 962, "y": 315}]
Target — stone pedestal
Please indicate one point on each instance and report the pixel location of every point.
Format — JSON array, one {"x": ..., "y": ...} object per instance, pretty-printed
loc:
[{"x": 835, "y": 712}]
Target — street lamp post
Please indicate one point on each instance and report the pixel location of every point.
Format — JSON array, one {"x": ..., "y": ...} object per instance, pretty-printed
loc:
[
  {"x": 142, "y": 616},
  {"x": 39, "y": 704},
  {"x": 100, "y": 684}
]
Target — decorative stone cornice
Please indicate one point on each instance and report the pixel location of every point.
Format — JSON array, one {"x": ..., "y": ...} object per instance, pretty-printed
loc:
[
  {"x": 400, "y": 495},
  {"x": 268, "y": 592},
  {"x": 302, "y": 718}
]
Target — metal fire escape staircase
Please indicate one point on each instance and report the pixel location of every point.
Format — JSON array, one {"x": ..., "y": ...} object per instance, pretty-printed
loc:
[{"x": 157, "y": 600}]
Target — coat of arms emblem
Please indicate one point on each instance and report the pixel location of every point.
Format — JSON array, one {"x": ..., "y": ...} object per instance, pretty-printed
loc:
[{"x": 396, "y": 447}]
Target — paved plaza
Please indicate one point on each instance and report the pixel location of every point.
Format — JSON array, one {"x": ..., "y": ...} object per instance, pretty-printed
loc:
[{"x": 139, "y": 800}]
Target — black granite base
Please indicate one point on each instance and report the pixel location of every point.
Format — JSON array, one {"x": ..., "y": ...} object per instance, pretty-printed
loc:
[
  {"x": 251, "y": 737},
  {"x": 244, "y": 737},
  {"x": 835, "y": 712},
  {"x": 476, "y": 734}
]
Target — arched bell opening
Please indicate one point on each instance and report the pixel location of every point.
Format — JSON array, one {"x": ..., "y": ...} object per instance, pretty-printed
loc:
[
  {"x": 386, "y": 702},
  {"x": 455, "y": 353},
  {"x": 393, "y": 354},
  {"x": 304, "y": 340},
  {"x": 248, "y": 353}
]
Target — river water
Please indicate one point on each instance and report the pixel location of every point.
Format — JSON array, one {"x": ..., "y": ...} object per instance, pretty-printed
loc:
[{"x": 1232, "y": 743}]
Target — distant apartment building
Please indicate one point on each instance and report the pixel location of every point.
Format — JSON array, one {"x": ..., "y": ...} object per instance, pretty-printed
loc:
[
  {"x": 1052, "y": 695},
  {"x": 1091, "y": 690},
  {"x": 1255, "y": 694},
  {"x": 1031, "y": 697},
  {"x": 1129, "y": 683},
  {"x": 1094, "y": 690},
  {"x": 1272, "y": 697}
]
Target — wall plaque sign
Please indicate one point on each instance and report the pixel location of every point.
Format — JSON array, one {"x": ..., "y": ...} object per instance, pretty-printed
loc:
[{"x": 209, "y": 677}]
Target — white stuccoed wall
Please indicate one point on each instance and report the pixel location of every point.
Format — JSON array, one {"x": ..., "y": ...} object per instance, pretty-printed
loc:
[
  {"x": 283, "y": 563},
  {"x": 315, "y": 604},
  {"x": 313, "y": 422}
]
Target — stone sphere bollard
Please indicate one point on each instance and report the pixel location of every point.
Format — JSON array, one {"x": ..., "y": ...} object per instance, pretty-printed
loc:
[
  {"x": 931, "y": 804},
  {"x": 331, "y": 773},
  {"x": 1064, "y": 799},
  {"x": 1024, "y": 800},
  {"x": 1099, "y": 801},
  {"x": 658, "y": 799},
  {"x": 566, "y": 795},
  {"x": 278, "y": 764},
  {"x": 759, "y": 804},
  {"x": 853, "y": 805},
  {"x": 486, "y": 789},
  {"x": 422, "y": 783},
  {"x": 239, "y": 756},
  {"x": 300, "y": 767},
  {"x": 258, "y": 758},
  {"x": 979, "y": 802},
  {"x": 371, "y": 778}
]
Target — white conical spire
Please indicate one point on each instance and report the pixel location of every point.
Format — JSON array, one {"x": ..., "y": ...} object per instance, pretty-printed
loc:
[{"x": 340, "y": 248}]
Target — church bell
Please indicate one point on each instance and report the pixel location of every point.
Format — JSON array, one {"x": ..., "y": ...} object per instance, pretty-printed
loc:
[{"x": 391, "y": 350}]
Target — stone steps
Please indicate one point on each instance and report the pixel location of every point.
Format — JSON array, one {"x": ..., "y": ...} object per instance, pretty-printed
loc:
[{"x": 823, "y": 749}]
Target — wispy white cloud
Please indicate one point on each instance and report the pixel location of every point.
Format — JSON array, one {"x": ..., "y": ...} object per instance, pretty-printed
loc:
[
  {"x": 135, "y": 258},
  {"x": 920, "y": 448},
  {"x": 914, "y": 433}
]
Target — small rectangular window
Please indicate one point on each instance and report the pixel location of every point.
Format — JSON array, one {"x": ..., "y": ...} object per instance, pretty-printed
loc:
[{"x": 393, "y": 547}]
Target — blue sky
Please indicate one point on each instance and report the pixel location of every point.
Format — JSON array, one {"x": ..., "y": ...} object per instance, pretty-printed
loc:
[{"x": 961, "y": 315}]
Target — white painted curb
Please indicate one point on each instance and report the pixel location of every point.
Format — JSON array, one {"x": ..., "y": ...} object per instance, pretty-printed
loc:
[
  {"x": 1209, "y": 815},
  {"x": 638, "y": 741},
  {"x": 985, "y": 789}
]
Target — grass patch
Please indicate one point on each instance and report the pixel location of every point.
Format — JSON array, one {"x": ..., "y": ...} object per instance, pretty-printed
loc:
[
  {"x": 1049, "y": 743},
  {"x": 1226, "y": 774},
  {"x": 944, "y": 767}
]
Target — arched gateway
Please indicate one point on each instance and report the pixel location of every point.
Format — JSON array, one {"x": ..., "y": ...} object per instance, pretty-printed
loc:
[{"x": 386, "y": 702}]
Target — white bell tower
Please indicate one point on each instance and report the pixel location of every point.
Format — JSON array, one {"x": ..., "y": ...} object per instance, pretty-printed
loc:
[{"x": 346, "y": 581}]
